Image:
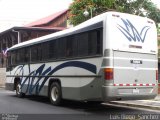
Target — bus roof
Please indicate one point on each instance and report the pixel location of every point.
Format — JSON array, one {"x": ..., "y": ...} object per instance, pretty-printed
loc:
[{"x": 70, "y": 31}]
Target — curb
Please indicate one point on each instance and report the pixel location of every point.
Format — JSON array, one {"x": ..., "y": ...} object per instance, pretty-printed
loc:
[{"x": 135, "y": 105}]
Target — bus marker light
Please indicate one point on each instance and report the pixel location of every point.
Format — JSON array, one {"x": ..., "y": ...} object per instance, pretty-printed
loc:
[
  {"x": 114, "y": 15},
  {"x": 156, "y": 74}
]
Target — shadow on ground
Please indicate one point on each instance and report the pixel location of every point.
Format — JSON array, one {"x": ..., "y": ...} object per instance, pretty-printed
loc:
[{"x": 90, "y": 108}]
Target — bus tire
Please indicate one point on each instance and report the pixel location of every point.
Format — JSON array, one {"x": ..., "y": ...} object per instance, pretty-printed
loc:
[
  {"x": 18, "y": 91},
  {"x": 55, "y": 94}
]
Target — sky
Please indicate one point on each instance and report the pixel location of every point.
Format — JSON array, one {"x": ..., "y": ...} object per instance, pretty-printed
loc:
[
  {"x": 22, "y": 12},
  {"x": 157, "y": 2}
]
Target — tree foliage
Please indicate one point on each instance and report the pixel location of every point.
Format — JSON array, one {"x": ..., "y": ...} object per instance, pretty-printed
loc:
[
  {"x": 78, "y": 7},
  {"x": 137, "y": 7},
  {"x": 143, "y": 8}
]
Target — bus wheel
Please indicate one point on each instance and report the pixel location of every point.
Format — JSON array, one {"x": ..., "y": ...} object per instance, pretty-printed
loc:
[
  {"x": 55, "y": 93},
  {"x": 18, "y": 91}
]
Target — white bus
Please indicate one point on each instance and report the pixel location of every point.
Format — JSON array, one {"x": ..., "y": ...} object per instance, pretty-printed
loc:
[{"x": 112, "y": 56}]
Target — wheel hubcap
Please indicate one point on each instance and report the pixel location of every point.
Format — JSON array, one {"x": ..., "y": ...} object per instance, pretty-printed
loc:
[
  {"x": 18, "y": 89},
  {"x": 54, "y": 93}
]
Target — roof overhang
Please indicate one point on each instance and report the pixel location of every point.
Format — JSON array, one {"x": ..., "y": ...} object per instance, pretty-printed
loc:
[{"x": 43, "y": 29}]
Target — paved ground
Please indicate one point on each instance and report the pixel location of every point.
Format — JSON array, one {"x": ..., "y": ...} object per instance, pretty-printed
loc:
[
  {"x": 33, "y": 107},
  {"x": 153, "y": 104}
]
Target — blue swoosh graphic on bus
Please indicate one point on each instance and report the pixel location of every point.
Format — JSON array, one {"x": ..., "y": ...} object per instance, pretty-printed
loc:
[
  {"x": 90, "y": 67},
  {"x": 21, "y": 69},
  {"x": 131, "y": 33},
  {"x": 49, "y": 71}
]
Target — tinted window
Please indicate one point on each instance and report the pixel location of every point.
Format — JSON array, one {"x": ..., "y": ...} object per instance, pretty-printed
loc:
[
  {"x": 45, "y": 51},
  {"x": 13, "y": 57},
  {"x": 95, "y": 39},
  {"x": 26, "y": 55},
  {"x": 36, "y": 53},
  {"x": 82, "y": 44},
  {"x": 99, "y": 41},
  {"x": 92, "y": 48},
  {"x": 79, "y": 45},
  {"x": 61, "y": 48},
  {"x": 17, "y": 56},
  {"x": 21, "y": 55},
  {"x": 53, "y": 49},
  {"x": 71, "y": 47},
  {"x": 8, "y": 59}
]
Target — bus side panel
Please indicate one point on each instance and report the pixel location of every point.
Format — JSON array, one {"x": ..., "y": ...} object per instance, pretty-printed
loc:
[
  {"x": 80, "y": 80},
  {"x": 89, "y": 92},
  {"x": 87, "y": 86}
]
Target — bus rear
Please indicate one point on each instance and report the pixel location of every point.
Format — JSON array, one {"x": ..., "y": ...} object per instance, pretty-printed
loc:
[{"x": 130, "y": 62}]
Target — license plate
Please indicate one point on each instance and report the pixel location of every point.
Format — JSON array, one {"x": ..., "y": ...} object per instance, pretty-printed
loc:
[
  {"x": 136, "y": 61},
  {"x": 135, "y": 91}
]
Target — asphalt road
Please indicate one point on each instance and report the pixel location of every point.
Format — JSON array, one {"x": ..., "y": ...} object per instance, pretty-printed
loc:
[{"x": 34, "y": 107}]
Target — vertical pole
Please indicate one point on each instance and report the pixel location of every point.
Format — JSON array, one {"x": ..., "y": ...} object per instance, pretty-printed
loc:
[
  {"x": 91, "y": 12},
  {"x": 19, "y": 37}
]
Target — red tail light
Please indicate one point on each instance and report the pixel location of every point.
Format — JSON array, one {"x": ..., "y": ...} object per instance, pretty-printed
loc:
[
  {"x": 156, "y": 74},
  {"x": 108, "y": 73}
]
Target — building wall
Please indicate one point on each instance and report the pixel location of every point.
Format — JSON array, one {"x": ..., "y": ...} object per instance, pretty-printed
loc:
[
  {"x": 11, "y": 38},
  {"x": 2, "y": 76},
  {"x": 60, "y": 21},
  {"x": 28, "y": 35}
]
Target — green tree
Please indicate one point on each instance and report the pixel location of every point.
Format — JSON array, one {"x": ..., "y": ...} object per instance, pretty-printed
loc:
[
  {"x": 78, "y": 7},
  {"x": 137, "y": 7}
]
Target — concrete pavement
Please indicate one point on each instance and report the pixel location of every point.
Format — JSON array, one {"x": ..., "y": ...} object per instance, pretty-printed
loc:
[{"x": 153, "y": 104}]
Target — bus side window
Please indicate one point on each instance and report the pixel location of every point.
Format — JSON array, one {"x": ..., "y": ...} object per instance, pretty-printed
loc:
[
  {"x": 33, "y": 53},
  {"x": 53, "y": 49},
  {"x": 83, "y": 44},
  {"x": 17, "y": 57},
  {"x": 61, "y": 48},
  {"x": 26, "y": 55},
  {"x": 71, "y": 47},
  {"x": 12, "y": 58},
  {"x": 95, "y": 40},
  {"x": 21, "y": 53},
  {"x": 8, "y": 59},
  {"x": 92, "y": 48},
  {"x": 36, "y": 53},
  {"x": 45, "y": 51},
  {"x": 99, "y": 41},
  {"x": 39, "y": 52}
]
